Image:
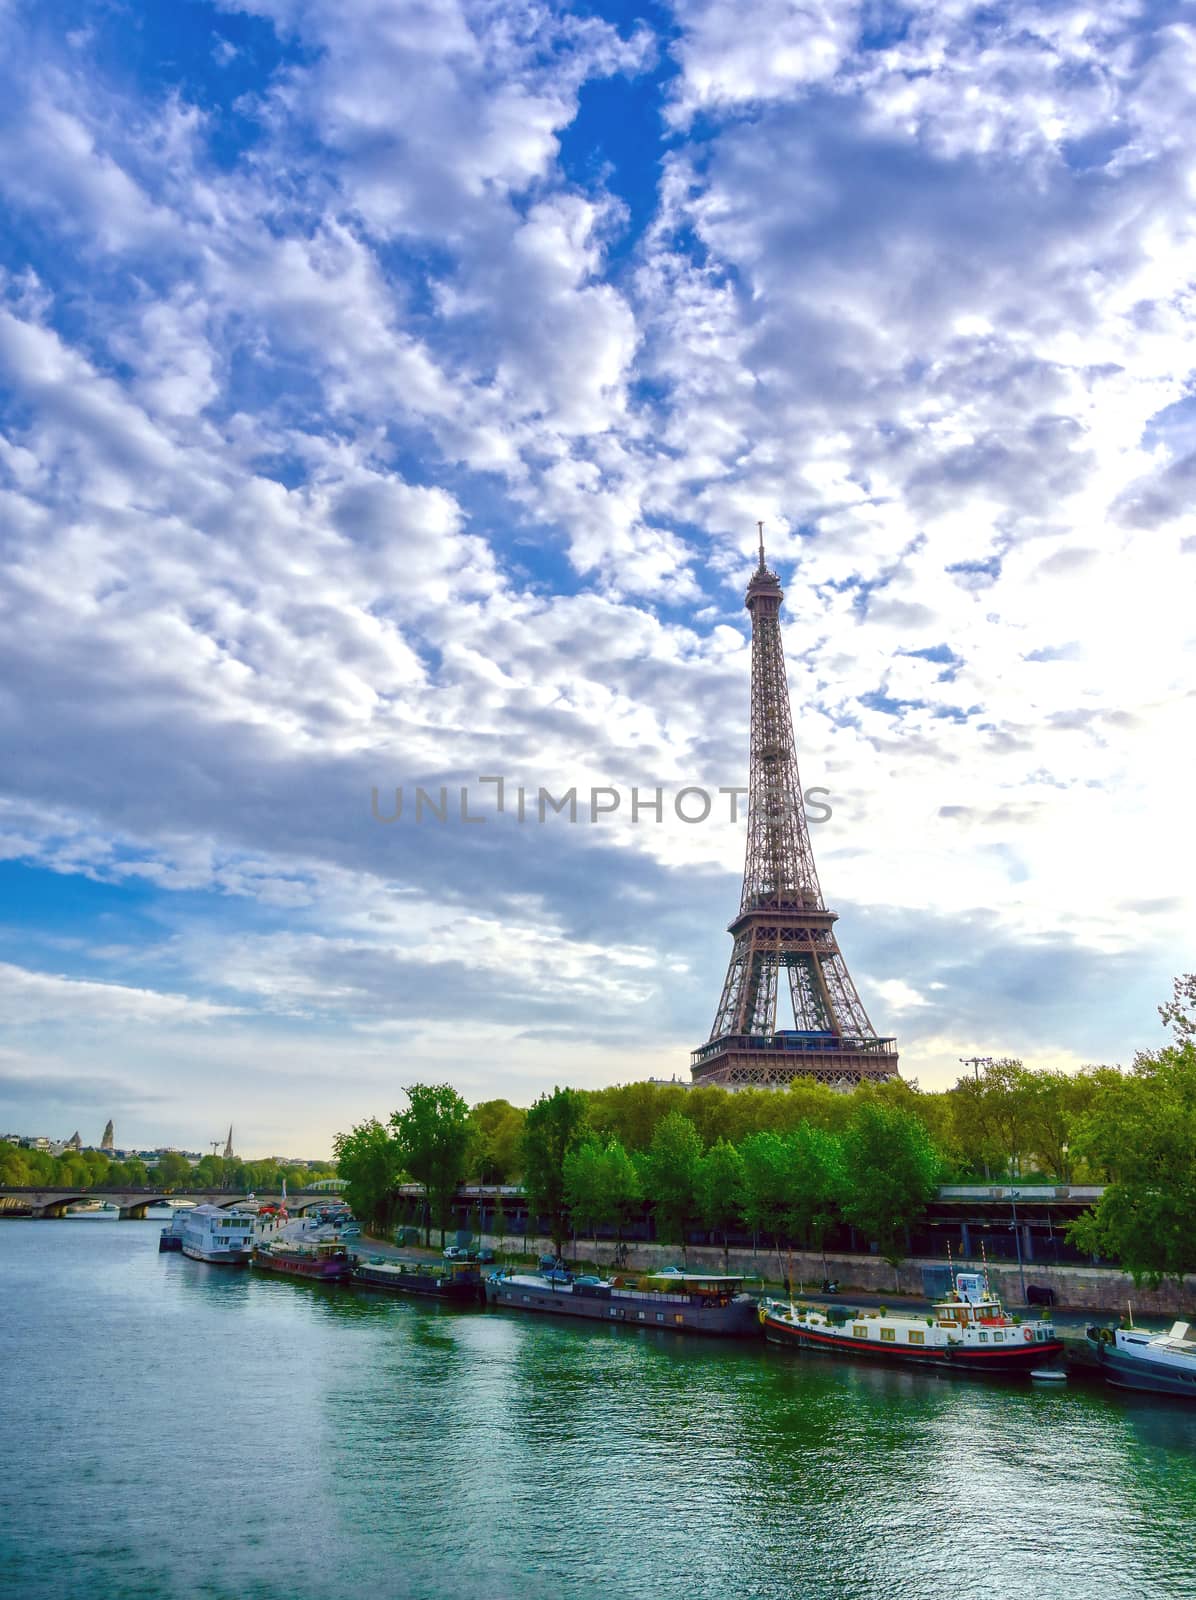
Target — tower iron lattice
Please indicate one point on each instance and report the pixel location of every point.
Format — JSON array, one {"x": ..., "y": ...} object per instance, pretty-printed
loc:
[{"x": 783, "y": 924}]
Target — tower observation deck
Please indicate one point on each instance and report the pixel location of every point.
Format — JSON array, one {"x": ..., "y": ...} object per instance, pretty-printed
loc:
[{"x": 783, "y": 925}]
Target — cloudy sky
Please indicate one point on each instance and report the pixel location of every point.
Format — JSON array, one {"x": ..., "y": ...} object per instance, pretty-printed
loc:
[{"x": 389, "y": 394}]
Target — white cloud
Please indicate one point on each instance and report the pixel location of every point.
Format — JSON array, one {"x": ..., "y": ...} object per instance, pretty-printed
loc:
[
  {"x": 376, "y": 456},
  {"x": 30, "y": 998}
]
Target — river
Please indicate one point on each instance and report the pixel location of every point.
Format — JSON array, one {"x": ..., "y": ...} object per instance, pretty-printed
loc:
[{"x": 172, "y": 1431}]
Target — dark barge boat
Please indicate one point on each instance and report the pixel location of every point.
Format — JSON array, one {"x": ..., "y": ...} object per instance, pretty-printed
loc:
[
  {"x": 443, "y": 1280},
  {"x": 683, "y": 1302},
  {"x": 317, "y": 1260},
  {"x": 1157, "y": 1363}
]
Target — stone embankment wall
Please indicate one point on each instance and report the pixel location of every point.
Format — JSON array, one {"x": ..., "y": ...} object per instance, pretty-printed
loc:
[{"x": 1076, "y": 1288}]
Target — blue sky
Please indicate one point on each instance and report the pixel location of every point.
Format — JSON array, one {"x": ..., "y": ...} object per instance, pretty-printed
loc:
[{"x": 389, "y": 394}]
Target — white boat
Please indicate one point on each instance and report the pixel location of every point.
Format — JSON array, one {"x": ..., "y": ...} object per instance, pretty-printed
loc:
[
  {"x": 1160, "y": 1363},
  {"x": 969, "y": 1331},
  {"x": 212, "y": 1234}
]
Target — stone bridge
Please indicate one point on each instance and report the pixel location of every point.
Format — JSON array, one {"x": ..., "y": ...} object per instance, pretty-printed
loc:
[{"x": 132, "y": 1203}]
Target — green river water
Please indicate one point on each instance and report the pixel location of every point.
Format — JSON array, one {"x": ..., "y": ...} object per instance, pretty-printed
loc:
[{"x": 172, "y": 1430}]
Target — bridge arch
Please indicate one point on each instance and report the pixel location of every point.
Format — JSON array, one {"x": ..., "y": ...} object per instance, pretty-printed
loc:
[{"x": 57, "y": 1206}]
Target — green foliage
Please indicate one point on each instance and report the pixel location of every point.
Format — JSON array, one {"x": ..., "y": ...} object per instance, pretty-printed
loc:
[
  {"x": 172, "y": 1170},
  {"x": 499, "y": 1127},
  {"x": 16, "y": 1169},
  {"x": 766, "y": 1183},
  {"x": 369, "y": 1160},
  {"x": 602, "y": 1184},
  {"x": 210, "y": 1172},
  {"x": 719, "y": 1189},
  {"x": 890, "y": 1171},
  {"x": 817, "y": 1180},
  {"x": 435, "y": 1137},
  {"x": 670, "y": 1170},
  {"x": 1179, "y": 1014},
  {"x": 1142, "y": 1130},
  {"x": 556, "y": 1125}
]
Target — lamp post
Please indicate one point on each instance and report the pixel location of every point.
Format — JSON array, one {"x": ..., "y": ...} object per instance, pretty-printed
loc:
[{"x": 1017, "y": 1239}]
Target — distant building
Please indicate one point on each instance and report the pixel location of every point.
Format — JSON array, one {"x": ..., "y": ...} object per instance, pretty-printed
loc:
[
  {"x": 106, "y": 1143},
  {"x": 74, "y": 1143}
]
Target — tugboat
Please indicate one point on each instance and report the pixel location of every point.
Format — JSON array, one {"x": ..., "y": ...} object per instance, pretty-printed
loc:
[
  {"x": 1159, "y": 1363},
  {"x": 969, "y": 1331},
  {"x": 684, "y": 1302},
  {"x": 443, "y": 1280},
  {"x": 317, "y": 1260}
]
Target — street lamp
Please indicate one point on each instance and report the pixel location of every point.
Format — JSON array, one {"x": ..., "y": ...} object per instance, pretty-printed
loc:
[{"x": 1017, "y": 1239}]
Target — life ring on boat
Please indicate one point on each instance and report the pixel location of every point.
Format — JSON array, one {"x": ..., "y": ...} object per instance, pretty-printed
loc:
[{"x": 1028, "y": 1335}]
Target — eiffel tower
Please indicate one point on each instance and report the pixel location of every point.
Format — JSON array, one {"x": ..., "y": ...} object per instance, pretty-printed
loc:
[{"x": 783, "y": 924}]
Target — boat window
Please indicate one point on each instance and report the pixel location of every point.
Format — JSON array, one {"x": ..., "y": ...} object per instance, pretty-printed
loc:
[
  {"x": 998, "y": 1338},
  {"x": 983, "y": 1337},
  {"x": 859, "y": 1331},
  {"x": 888, "y": 1335},
  {"x": 660, "y": 1316},
  {"x": 916, "y": 1336},
  {"x": 678, "y": 1317}
]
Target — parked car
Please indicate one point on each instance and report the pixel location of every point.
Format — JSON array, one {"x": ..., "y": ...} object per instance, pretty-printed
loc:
[{"x": 456, "y": 1252}]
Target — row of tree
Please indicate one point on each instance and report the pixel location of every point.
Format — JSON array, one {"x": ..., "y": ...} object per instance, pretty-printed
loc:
[
  {"x": 92, "y": 1169},
  {"x": 793, "y": 1164},
  {"x": 878, "y": 1173}
]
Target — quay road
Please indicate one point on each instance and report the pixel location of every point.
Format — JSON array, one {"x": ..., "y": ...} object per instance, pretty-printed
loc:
[{"x": 131, "y": 1203}]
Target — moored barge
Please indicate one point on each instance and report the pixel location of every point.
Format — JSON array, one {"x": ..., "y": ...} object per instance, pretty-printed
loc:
[
  {"x": 969, "y": 1331},
  {"x": 317, "y": 1260},
  {"x": 683, "y": 1302},
  {"x": 442, "y": 1280},
  {"x": 222, "y": 1237},
  {"x": 1156, "y": 1363}
]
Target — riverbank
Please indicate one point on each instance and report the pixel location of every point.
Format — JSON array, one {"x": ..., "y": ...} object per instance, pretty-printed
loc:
[{"x": 1100, "y": 1291}]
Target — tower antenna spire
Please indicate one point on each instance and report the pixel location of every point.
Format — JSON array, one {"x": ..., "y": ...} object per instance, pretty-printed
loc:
[{"x": 760, "y": 531}]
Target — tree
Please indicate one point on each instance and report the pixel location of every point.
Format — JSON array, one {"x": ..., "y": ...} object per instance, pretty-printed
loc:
[
  {"x": 601, "y": 1184},
  {"x": 816, "y": 1181},
  {"x": 1056, "y": 1101},
  {"x": 766, "y": 1186},
  {"x": 555, "y": 1125},
  {"x": 209, "y": 1172},
  {"x": 1179, "y": 1014},
  {"x": 891, "y": 1171},
  {"x": 583, "y": 1175},
  {"x": 15, "y": 1169},
  {"x": 718, "y": 1190},
  {"x": 435, "y": 1136},
  {"x": 1142, "y": 1129},
  {"x": 992, "y": 1115},
  {"x": 368, "y": 1159},
  {"x": 172, "y": 1170},
  {"x": 499, "y": 1127},
  {"x": 670, "y": 1169}
]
